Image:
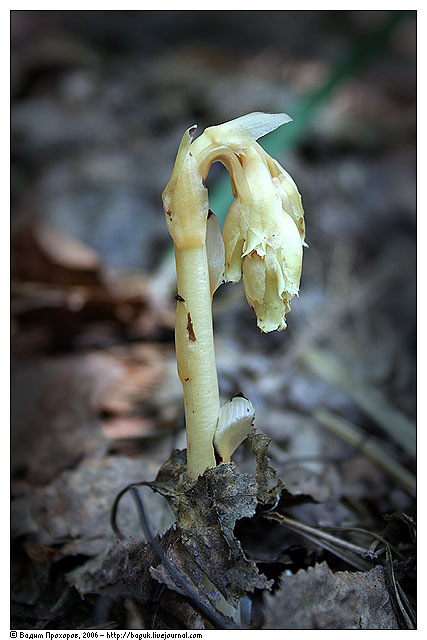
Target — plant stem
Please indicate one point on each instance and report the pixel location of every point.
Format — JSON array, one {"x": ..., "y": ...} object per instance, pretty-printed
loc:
[{"x": 195, "y": 354}]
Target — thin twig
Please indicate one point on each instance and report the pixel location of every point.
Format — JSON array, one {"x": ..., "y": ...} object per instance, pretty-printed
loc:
[
  {"x": 398, "y": 591},
  {"x": 119, "y": 496},
  {"x": 351, "y": 553},
  {"x": 349, "y": 546},
  {"x": 377, "y": 536},
  {"x": 217, "y": 621}
]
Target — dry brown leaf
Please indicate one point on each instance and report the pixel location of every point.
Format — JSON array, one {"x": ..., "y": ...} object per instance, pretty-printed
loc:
[
  {"x": 73, "y": 512},
  {"x": 320, "y": 599},
  {"x": 61, "y": 288},
  {"x": 41, "y": 254},
  {"x": 124, "y": 572},
  {"x": 55, "y": 408},
  {"x": 206, "y": 513}
]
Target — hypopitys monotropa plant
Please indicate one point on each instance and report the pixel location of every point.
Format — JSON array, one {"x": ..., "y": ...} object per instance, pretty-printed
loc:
[{"x": 262, "y": 239}]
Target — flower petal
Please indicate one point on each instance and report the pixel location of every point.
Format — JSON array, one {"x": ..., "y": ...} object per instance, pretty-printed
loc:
[
  {"x": 233, "y": 241},
  {"x": 254, "y": 277}
]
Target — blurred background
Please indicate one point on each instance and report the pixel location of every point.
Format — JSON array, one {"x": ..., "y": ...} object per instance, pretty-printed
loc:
[{"x": 100, "y": 100}]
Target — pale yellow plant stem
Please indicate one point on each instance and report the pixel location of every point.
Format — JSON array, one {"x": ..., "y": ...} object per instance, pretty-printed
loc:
[
  {"x": 196, "y": 356},
  {"x": 185, "y": 201}
]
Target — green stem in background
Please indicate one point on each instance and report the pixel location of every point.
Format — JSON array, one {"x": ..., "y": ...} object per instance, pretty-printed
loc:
[
  {"x": 304, "y": 111},
  {"x": 367, "y": 445}
]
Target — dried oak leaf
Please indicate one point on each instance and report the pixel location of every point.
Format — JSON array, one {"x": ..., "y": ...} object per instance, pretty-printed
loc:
[
  {"x": 206, "y": 512},
  {"x": 320, "y": 599}
]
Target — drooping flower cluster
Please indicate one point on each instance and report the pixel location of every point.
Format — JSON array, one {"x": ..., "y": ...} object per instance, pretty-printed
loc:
[{"x": 264, "y": 229}]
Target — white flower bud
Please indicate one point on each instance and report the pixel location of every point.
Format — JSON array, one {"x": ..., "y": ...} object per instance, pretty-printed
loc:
[{"x": 234, "y": 424}]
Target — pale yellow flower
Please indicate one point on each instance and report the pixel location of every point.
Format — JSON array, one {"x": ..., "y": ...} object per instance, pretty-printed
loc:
[{"x": 264, "y": 230}]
